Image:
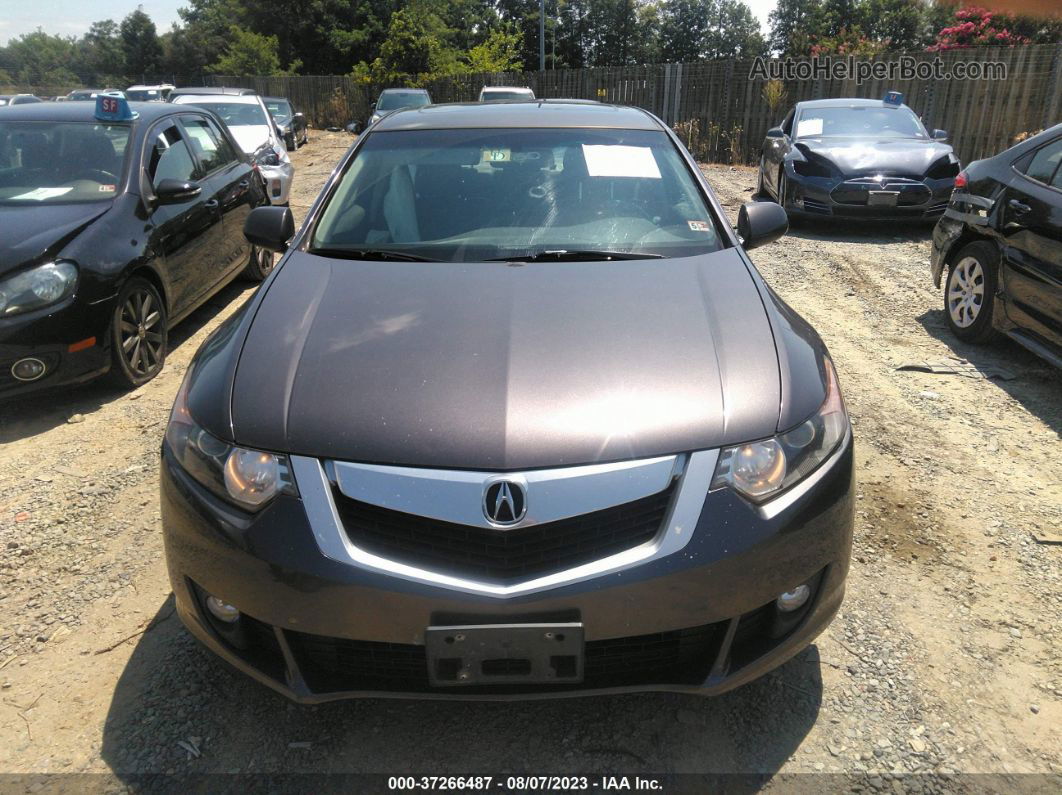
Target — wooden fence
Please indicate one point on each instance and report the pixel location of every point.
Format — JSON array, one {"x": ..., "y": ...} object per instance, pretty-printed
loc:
[{"x": 721, "y": 111}]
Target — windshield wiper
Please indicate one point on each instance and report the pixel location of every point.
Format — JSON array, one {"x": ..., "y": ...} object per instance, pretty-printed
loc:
[
  {"x": 370, "y": 254},
  {"x": 566, "y": 255}
]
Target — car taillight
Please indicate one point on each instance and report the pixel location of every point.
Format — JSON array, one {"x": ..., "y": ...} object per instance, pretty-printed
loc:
[{"x": 960, "y": 180}]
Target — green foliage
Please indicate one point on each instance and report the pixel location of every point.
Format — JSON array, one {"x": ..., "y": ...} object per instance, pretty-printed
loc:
[
  {"x": 250, "y": 53},
  {"x": 693, "y": 30},
  {"x": 499, "y": 53},
  {"x": 140, "y": 42}
]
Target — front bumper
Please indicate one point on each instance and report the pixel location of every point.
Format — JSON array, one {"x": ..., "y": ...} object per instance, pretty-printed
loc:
[
  {"x": 849, "y": 196},
  {"x": 59, "y": 337},
  {"x": 278, "y": 182},
  {"x": 701, "y": 620}
]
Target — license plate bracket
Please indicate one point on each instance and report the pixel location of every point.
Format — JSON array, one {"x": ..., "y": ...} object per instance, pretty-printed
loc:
[
  {"x": 504, "y": 654},
  {"x": 882, "y": 198}
]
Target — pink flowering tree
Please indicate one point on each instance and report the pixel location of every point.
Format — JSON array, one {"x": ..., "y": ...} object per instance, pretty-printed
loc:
[{"x": 977, "y": 27}]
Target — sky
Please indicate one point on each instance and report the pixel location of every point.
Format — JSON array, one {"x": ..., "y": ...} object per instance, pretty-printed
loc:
[{"x": 73, "y": 17}]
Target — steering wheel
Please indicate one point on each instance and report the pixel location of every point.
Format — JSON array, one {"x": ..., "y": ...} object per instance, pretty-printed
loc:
[{"x": 92, "y": 173}]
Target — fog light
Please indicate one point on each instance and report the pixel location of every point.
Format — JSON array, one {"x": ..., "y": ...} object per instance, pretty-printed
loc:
[
  {"x": 794, "y": 599},
  {"x": 222, "y": 611},
  {"x": 28, "y": 369}
]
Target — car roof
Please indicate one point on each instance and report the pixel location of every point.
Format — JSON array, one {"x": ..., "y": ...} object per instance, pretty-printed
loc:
[
  {"x": 276, "y": 99},
  {"x": 206, "y": 99},
  {"x": 537, "y": 113},
  {"x": 505, "y": 88},
  {"x": 404, "y": 91},
  {"x": 213, "y": 90},
  {"x": 80, "y": 111},
  {"x": 846, "y": 103}
]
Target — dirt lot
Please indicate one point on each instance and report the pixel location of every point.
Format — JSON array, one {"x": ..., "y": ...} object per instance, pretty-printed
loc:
[{"x": 946, "y": 656}]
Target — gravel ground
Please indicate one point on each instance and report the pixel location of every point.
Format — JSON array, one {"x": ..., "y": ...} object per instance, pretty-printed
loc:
[{"x": 945, "y": 657}]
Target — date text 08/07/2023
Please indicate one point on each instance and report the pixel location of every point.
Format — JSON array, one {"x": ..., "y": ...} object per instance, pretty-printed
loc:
[{"x": 524, "y": 783}]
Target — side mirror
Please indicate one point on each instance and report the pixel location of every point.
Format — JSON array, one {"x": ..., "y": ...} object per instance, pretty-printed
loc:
[
  {"x": 269, "y": 227},
  {"x": 760, "y": 223},
  {"x": 176, "y": 191},
  {"x": 372, "y": 108},
  {"x": 775, "y": 132},
  {"x": 940, "y": 135},
  {"x": 298, "y": 115}
]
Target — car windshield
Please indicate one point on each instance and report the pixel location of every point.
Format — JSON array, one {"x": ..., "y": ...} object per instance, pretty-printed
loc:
[
  {"x": 473, "y": 195},
  {"x": 279, "y": 110},
  {"x": 57, "y": 163},
  {"x": 143, "y": 95},
  {"x": 402, "y": 99},
  {"x": 507, "y": 95},
  {"x": 237, "y": 114},
  {"x": 859, "y": 123}
]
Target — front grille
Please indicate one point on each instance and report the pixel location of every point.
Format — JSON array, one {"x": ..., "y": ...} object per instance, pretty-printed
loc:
[
  {"x": 502, "y": 556},
  {"x": 855, "y": 191},
  {"x": 679, "y": 657}
]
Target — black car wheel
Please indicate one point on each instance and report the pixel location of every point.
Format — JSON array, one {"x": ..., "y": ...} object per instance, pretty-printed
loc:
[
  {"x": 260, "y": 264},
  {"x": 783, "y": 187},
  {"x": 970, "y": 290},
  {"x": 289, "y": 141},
  {"x": 138, "y": 334},
  {"x": 760, "y": 193}
]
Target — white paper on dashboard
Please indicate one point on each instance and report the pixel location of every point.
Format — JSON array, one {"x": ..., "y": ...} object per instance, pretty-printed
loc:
[
  {"x": 40, "y": 194},
  {"x": 809, "y": 127},
  {"x": 620, "y": 161}
]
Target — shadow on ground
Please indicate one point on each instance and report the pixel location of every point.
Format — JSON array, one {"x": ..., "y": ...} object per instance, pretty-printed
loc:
[
  {"x": 860, "y": 230},
  {"x": 174, "y": 692},
  {"x": 38, "y": 412},
  {"x": 1036, "y": 384}
]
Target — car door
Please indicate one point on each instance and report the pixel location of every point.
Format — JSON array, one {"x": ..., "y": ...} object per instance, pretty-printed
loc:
[
  {"x": 1030, "y": 229},
  {"x": 183, "y": 235},
  {"x": 230, "y": 178}
]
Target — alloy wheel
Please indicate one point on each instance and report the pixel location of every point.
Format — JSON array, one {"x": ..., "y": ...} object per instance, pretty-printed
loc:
[
  {"x": 966, "y": 291},
  {"x": 141, "y": 334}
]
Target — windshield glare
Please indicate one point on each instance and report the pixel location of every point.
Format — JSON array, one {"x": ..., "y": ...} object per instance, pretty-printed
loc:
[
  {"x": 281, "y": 111},
  {"x": 237, "y": 114},
  {"x": 56, "y": 163},
  {"x": 859, "y": 122},
  {"x": 471, "y": 195},
  {"x": 507, "y": 95},
  {"x": 396, "y": 101}
]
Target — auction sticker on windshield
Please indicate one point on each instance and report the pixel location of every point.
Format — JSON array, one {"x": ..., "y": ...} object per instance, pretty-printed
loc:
[
  {"x": 809, "y": 127},
  {"x": 496, "y": 156},
  {"x": 620, "y": 161},
  {"x": 40, "y": 194}
]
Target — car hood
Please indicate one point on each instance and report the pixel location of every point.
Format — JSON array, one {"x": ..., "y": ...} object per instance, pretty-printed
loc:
[
  {"x": 250, "y": 137},
  {"x": 493, "y": 366},
  {"x": 35, "y": 231},
  {"x": 885, "y": 156}
]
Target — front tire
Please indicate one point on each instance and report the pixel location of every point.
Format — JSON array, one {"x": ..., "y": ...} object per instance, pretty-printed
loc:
[
  {"x": 138, "y": 334},
  {"x": 970, "y": 292},
  {"x": 289, "y": 142},
  {"x": 260, "y": 264},
  {"x": 783, "y": 187}
]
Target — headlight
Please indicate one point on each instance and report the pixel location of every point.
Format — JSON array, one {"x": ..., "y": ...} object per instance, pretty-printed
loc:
[
  {"x": 267, "y": 156},
  {"x": 759, "y": 470},
  {"x": 944, "y": 167},
  {"x": 247, "y": 478},
  {"x": 37, "y": 287},
  {"x": 811, "y": 168}
]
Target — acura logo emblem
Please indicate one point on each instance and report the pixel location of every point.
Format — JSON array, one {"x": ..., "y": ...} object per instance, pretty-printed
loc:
[{"x": 504, "y": 502}]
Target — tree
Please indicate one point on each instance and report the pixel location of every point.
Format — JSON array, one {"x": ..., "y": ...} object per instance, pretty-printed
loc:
[
  {"x": 692, "y": 30},
  {"x": 143, "y": 52},
  {"x": 977, "y": 27},
  {"x": 101, "y": 54},
  {"x": 499, "y": 53},
  {"x": 898, "y": 24},
  {"x": 416, "y": 50},
  {"x": 249, "y": 53}
]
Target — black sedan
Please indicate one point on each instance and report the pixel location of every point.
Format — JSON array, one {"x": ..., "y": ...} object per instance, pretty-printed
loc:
[
  {"x": 857, "y": 158},
  {"x": 515, "y": 416},
  {"x": 111, "y": 230},
  {"x": 290, "y": 122},
  {"x": 1000, "y": 242}
]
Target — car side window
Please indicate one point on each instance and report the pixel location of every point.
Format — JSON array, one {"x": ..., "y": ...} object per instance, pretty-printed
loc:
[
  {"x": 787, "y": 123},
  {"x": 1045, "y": 162},
  {"x": 210, "y": 148},
  {"x": 170, "y": 158}
]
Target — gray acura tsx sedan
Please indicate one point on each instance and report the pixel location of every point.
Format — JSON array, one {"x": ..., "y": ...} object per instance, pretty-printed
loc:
[{"x": 514, "y": 416}]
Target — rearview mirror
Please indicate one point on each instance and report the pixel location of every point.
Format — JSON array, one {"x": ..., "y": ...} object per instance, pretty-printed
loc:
[
  {"x": 269, "y": 227},
  {"x": 176, "y": 191},
  {"x": 940, "y": 135},
  {"x": 760, "y": 223},
  {"x": 775, "y": 132}
]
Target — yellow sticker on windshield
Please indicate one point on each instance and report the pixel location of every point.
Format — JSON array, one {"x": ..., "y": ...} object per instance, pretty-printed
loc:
[{"x": 496, "y": 156}]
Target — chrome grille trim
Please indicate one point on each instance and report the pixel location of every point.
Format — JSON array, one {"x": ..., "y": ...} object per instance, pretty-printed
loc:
[{"x": 695, "y": 473}]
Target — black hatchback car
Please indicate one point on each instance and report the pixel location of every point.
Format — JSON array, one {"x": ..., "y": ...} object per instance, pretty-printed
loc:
[
  {"x": 113, "y": 228},
  {"x": 1000, "y": 244},
  {"x": 857, "y": 158},
  {"x": 290, "y": 122},
  {"x": 515, "y": 416}
]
